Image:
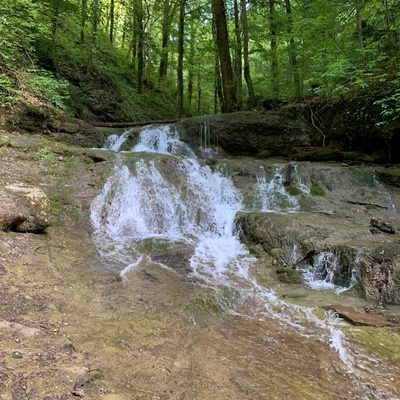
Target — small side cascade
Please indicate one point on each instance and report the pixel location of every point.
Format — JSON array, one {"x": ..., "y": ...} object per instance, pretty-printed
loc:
[
  {"x": 114, "y": 142},
  {"x": 163, "y": 139},
  {"x": 390, "y": 205},
  {"x": 337, "y": 269},
  {"x": 270, "y": 194},
  {"x": 208, "y": 141}
]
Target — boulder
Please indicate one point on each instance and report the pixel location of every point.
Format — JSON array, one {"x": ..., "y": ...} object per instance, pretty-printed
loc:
[{"x": 24, "y": 209}]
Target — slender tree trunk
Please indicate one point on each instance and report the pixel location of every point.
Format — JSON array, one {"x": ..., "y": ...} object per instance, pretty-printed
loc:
[
  {"x": 191, "y": 72},
  {"x": 166, "y": 25},
  {"x": 228, "y": 87},
  {"x": 199, "y": 91},
  {"x": 140, "y": 44},
  {"x": 218, "y": 95},
  {"x": 96, "y": 12},
  {"x": 359, "y": 24},
  {"x": 247, "y": 76},
  {"x": 391, "y": 38},
  {"x": 274, "y": 47},
  {"x": 238, "y": 63},
  {"x": 112, "y": 13},
  {"x": 84, "y": 16},
  {"x": 181, "y": 34},
  {"x": 292, "y": 51}
]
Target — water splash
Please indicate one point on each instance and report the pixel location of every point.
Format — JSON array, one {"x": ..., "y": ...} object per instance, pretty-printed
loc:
[
  {"x": 163, "y": 139},
  {"x": 324, "y": 271},
  {"x": 271, "y": 195},
  {"x": 114, "y": 142}
]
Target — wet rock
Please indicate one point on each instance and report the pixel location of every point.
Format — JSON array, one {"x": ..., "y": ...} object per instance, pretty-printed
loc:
[
  {"x": 357, "y": 317},
  {"x": 264, "y": 134},
  {"x": 69, "y": 127},
  {"x": 382, "y": 226},
  {"x": 24, "y": 209},
  {"x": 380, "y": 272}
]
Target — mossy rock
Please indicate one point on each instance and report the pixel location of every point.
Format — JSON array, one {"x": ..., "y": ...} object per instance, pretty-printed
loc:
[
  {"x": 286, "y": 274},
  {"x": 316, "y": 190},
  {"x": 293, "y": 190},
  {"x": 203, "y": 307}
]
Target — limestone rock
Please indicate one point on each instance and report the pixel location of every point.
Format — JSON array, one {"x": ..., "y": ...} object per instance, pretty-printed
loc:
[
  {"x": 357, "y": 317},
  {"x": 382, "y": 226},
  {"x": 380, "y": 271},
  {"x": 264, "y": 134},
  {"x": 24, "y": 209}
]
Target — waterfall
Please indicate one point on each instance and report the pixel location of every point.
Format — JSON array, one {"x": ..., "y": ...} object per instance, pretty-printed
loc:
[{"x": 173, "y": 197}]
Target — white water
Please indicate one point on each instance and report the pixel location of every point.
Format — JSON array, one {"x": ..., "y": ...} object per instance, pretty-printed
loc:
[
  {"x": 180, "y": 200},
  {"x": 114, "y": 142},
  {"x": 320, "y": 275}
]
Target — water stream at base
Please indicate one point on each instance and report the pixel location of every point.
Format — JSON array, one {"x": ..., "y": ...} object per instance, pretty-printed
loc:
[{"x": 171, "y": 198}]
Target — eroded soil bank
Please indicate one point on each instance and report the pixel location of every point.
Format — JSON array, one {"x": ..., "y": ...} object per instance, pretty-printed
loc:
[{"x": 71, "y": 327}]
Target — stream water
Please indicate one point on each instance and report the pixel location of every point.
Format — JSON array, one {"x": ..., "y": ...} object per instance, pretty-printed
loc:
[{"x": 162, "y": 199}]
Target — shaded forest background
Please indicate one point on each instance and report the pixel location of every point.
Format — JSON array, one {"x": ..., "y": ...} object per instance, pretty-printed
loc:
[{"x": 128, "y": 60}]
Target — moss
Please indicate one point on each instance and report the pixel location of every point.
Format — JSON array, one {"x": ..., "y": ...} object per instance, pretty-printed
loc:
[
  {"x": 316, "y": 190},
  {"x": 287, "y": 274},
  {"x": 203, "y": 307},
  {"x": 293, "y": 190},
  {"x": 382, "y": 342}
]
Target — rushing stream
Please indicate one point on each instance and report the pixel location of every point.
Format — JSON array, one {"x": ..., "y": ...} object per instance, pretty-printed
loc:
[{"x": 160, "y": 196}]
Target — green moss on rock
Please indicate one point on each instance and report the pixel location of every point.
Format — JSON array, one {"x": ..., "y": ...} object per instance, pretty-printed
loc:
[
  {"x": 286, "y": 274},
  {"x": 316, "y": 190},
  {"x": 293, "y": 190}
]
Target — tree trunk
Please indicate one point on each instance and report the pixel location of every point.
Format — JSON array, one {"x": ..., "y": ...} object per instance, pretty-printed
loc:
[
  {"x": 292, "y": 51},
  {"x": 228, "y": 87},
  {"x": 199, "y": 91},
  {"x": 247, "y": 76},
  {"x": 84, "y": 16},
  {"x": 112, "y": 12},
  {"x": 165, "y": 31},
  {"x": 191, "y": 72},
  {"x": 238, "y": 63},
  {"x": 181, "y": 33},
  {"x": 274, "y": 47},
  {"x": 140, "y": 44}
]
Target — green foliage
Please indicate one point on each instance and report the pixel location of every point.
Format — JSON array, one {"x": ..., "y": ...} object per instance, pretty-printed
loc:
[
  {"x": 45, "y": 154},
  {"x": 46, "y": 87},
  {"x": 390, "y": 104}
]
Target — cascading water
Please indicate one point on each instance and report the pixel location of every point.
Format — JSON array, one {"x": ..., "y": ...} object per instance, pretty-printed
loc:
[
  {"x": 323, "y": 269},
  {"x": 271, "y": 195},
  {"x": 172, "y": 197},
  {"x": 114, "y": 142}
]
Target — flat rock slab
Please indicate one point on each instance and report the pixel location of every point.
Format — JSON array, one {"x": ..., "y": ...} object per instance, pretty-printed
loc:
[{"x": 357, "y": 317}]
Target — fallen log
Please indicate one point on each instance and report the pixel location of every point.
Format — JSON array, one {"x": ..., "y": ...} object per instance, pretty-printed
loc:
[{"x": 133, "y": 124}]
